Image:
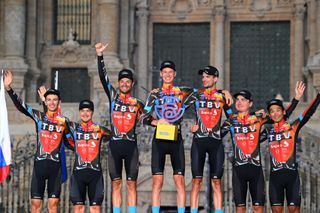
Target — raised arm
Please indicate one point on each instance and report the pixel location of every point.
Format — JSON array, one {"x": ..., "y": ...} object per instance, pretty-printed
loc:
[
  {"x": 18, "y": 102},
  {"x": 306, "y": 115},
  {"x": 107, "y": 86},
  {"x": 68, "y": 139},
  {"x": 299, "y": 89}
]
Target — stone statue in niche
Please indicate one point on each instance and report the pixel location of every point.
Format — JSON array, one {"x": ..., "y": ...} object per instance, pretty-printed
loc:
[{"x": 71, "y": 44}]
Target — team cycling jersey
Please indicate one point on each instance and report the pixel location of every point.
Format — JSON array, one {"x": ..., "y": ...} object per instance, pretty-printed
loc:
[
  {"x": 51, "y": 129},
  {"x": 168, "y": 103},
  {"x": 282, "y": 138},
  {"x": 125, "y": 110},
  {"x": 88, "y": 137},
  {"x": 246, "y": 133},
  {"x": 209, "y": 104}
]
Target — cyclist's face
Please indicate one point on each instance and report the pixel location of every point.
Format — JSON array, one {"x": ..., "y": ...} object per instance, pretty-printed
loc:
[
  {"x": 86, "y": 114},
  {"x": 209, "y": 80},
  {"x": 276, "y": 113},
  {"x": 125, "y": 85},
  {"x": 167, "y": 74},
  {"x": 52, "y": 101},
  {"x": 242, "y": 104}
]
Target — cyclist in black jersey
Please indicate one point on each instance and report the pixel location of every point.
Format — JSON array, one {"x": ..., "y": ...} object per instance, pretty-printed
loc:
[
  {"x": 169, "y": 99},
  {"x": 125, "y": 112},
  {"x": 282, "y": 138},
  {"x": 52, "y": 130},
  {"x": 87, "y": 174},
  {"x": 209, "y": 105},
  {"x": 245, "y": 129}
]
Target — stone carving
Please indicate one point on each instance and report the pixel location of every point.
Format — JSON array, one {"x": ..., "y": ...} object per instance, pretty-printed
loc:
[
  {"x": 260, "y": 7},
  {"x": 284, "y": 2},
  {"x": 71, "y": 45},
  {"x": 237, "y": 3},
  {"x": 181, "y": 8},
  {"x": 204, "y": 3},
  {"x": 299, "y": 11}
]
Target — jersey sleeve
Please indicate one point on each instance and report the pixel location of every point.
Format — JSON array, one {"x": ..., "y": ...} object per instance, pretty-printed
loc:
[
  {"x": 68, "y": 136},
  {"x": 144, "y": 120},
  {"x": 149, "y": 106},
  {"x": 292, "y": 106},
  {"x": 306, "y": 115},
  {"x": 227, "y": 109},
  {"x": 190, "y": 99},
  {"x": 106, "y": 133},
  {"x": 104, "y": 78},
  {"x": 263, "y": 135},
  {"x": 225, "y": 128},
  {"x": 23, "y": 107}
]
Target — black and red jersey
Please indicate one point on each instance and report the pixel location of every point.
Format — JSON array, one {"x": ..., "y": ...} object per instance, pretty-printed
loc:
[
  {"x": 209, "y": 106},
  {"x": 168, "y": 103},
  {"x": 282, "y": 138},
  {"x": 125, "y": 110},
  {"x": 245, "y": 133},
  {"x": 88, "y": 138},
  {"x": 52, "y": 129}
]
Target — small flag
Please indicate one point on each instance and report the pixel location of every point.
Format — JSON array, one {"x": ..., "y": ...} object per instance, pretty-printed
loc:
[{"x": 5, "y": 145}]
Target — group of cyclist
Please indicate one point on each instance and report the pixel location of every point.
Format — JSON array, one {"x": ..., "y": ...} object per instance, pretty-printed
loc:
[{"x": 247, "y": 129}]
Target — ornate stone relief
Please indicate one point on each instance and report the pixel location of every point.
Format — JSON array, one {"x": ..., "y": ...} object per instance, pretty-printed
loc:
[
  {"x": 237, "y": 3},
  {"x": 204, "y": 3},
  {"x": 260, "y": 7},
  {"x": 181, "y": 8},
  {"x": 284, "y": 2},
  {"x": 299, "y": 11}
]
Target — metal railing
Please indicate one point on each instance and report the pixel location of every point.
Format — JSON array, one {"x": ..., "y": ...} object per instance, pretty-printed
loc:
[{"x": 15, "y": 191}]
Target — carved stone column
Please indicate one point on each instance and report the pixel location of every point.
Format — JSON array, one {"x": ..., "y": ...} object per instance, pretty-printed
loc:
[
  {"x": 142, "y": 72},
  {"x": 318, "y": 25},
  {"x": 15, "y": 23},
  {"x": 299, "y": 12},
  {"x": 109, "y": 31},
  {"x": 219, "y": 17},
  {"x": 313, "y": 36},
  {"x": 312, "y": 70}
]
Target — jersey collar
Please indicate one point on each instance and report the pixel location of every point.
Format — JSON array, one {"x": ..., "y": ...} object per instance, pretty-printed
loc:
[
  {"x": 278, "y": 126},
  {"x": 86, "y": 126}
]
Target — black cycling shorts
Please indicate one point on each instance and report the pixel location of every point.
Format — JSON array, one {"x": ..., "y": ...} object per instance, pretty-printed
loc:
[
  {"x": 160, "y": 148},
  {"x": 214, "y": 148},
  {"x": 126, "y": 150},
  {"x": 83, "y": 179},
  {"x": 245, "y": 175},
  {"x": 284, "y": 181},
  {"x": 46, "y": 170}
]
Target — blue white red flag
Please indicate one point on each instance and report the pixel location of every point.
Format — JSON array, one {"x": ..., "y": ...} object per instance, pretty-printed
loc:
[{"x": 5, "y": 145}]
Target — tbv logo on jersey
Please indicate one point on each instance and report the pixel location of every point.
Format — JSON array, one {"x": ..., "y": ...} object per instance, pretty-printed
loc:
[
  {"x": 209, "y": 104},
  {"x": 124, "y": 108},
  {"x": 87, "y": 136},
  {"x": 169, "y": 109},
  {"x": 52, "y": 127},
  {"x": 245, "y": 129},
  {"x": 273, "y": 136}
]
